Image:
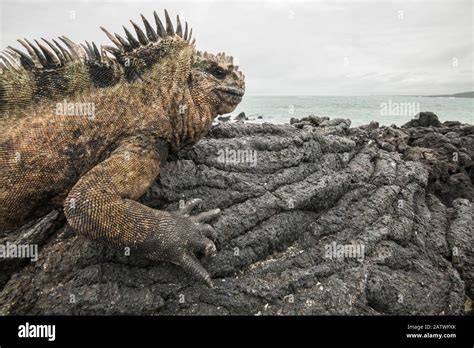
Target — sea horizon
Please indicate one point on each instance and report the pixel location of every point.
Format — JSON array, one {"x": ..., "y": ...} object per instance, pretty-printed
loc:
[
  {"x": 354, "y": 95},
  {"x": 363, "y": 109}
]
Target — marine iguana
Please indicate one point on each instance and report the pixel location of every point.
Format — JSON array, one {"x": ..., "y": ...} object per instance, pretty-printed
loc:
[{"x": 88, "y": 129}]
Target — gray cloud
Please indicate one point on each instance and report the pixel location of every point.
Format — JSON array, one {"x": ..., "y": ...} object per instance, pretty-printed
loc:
[{"x": 293, "y": 47}]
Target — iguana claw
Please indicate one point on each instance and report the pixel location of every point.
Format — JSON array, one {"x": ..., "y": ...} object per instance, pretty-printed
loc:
[{"x": 180, "y": 236}]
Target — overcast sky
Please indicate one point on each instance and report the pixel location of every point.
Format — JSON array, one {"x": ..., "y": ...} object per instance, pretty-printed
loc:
[{"x": 292, "y": 47}]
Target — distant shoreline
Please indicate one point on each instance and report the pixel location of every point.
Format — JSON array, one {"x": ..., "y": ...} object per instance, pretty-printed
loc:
[{"x": 455, "y": 95}]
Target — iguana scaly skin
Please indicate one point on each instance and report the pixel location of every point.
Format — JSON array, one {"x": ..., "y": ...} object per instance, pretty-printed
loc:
[{"x": 149, "y": 95}]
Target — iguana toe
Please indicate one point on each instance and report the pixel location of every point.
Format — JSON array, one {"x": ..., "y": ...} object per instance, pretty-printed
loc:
[
  {"x": 188, "y": 206},
  {"x": 207, "y": 215},
  {"x": 193, "y": 267},
  {"x": 208, "y": 231}
]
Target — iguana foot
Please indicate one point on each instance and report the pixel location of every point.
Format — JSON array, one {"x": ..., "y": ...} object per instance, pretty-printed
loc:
[{"x": 180, "y": 237}]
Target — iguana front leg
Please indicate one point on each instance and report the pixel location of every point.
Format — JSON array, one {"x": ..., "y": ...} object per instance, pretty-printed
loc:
[{"x": 102, "y": 207}]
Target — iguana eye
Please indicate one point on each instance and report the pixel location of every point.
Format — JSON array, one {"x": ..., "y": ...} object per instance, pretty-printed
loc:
[{"x": 218, "y": 72}]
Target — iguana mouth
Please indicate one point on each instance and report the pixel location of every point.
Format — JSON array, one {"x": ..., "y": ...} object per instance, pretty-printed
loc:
[{"x": 238, "y": 92}]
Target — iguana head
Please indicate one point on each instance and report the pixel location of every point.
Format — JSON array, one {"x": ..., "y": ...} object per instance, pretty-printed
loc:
[
  {"x": 220, "y": 78},
  {"x": 166, "y": 57}
]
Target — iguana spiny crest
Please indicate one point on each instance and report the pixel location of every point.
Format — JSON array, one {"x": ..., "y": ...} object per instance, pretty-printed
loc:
[{"x": 51, "y": 71}]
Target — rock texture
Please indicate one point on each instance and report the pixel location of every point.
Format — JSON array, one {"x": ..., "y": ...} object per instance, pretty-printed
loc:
[{"x": 318, "y": 218}]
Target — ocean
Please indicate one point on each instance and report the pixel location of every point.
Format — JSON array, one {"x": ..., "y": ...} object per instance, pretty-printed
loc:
[{"x": 360, "y": 110}]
